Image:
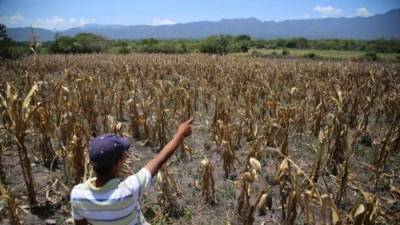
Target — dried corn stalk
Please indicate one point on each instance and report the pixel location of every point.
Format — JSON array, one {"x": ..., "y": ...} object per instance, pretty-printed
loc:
[
  {"x": 244, "y": 185},
  {"x": 265, "y": 201},
  {"x": 76, "y": 158},
  {"x": 6, "y": 196},
  {"x": 2, "y": 174},
  {"x": 168, "y": 192},
  {"x": 19, "y": 114},
  {"x": 45, "y": 130},
  {"x": 228, "y": 157},
  {"x": 367, "y": 212},
  {"x": 327, "y": 204},
  {"x": 207, "y": 185}
]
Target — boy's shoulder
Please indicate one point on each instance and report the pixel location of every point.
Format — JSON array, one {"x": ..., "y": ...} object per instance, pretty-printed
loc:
[{"x": 78, "y": 188}]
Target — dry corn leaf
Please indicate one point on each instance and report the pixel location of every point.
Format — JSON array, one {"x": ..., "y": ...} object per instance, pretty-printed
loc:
[
  {"x": 335, "y": 216},
  {"x": 283, "y": 167},
  {"x": 28, "y": 98},
  {"x": 248, "y": 177},
  {"x": 205, "y": 162},
  {"x": 255, "y": 164},
  {"x": 359, "y": 210},
  {"x": 394, "y": 189}
]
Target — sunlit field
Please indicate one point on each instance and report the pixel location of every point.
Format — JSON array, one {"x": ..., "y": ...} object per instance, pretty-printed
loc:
[{"x": 274, "y": 141}]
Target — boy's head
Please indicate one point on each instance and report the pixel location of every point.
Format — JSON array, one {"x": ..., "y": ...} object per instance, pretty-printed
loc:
[{"x": 106, "y": 151}]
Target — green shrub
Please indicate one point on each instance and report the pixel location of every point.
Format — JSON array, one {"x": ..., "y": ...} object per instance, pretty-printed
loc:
[
  {"x": 398, "y": 58},
  {"x": 124, "y": 50},
  {"x": 14, "y": 52},
  {"x": 310, "y": 55},
  {"x": 162, "y": 46},
  {"x": 371, "y": 56},
  {"x": 285, "y": 52},
  {"x": 244, "y": 48},
  {"x": 19, "y": 51},
  {"x": 365, "y": 139}
]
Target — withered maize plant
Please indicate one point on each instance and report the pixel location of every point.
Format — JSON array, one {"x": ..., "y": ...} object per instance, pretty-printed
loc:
[
  {"x": 18, "y": 113},
  {"x": 7, "y": 198},
  {"x": 168, "y": 192},
  {"x": 244, "y": 207},
  {"x": 207, "y": 185}
]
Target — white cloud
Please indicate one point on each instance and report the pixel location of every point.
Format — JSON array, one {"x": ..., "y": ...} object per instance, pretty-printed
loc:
[
  {"x": 60, "y": 23},
  {"x": 328, "y": 11},
  {"x": 55, "y": 22},
  {"x": 363, "y": 12},
  {"x": 157, "y": 21},
  {"x": 306, "y": 16},
  {"x": 15, "y": 20}
]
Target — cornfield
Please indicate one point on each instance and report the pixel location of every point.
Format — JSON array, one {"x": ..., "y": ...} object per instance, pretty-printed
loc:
[{"x": 277, "y": 141}]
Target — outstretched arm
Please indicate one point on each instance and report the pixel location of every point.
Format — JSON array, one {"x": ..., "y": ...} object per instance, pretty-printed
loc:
[{"x": 184, "y": 130}]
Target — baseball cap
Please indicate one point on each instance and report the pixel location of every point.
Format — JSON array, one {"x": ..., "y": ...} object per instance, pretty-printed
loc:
[{"x": 106, "y": 149}]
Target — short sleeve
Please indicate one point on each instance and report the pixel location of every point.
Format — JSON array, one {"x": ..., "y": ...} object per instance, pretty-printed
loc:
[
  {"x": 74, "y": 212},
  {"x": 139, "y": 182}
]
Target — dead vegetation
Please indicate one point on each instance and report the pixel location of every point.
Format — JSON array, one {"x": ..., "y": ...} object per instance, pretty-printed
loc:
[{"x": 285, "y": 132}]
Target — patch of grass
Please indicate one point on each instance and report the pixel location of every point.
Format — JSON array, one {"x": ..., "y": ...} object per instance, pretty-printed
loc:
[
  {"x": 392, "y": 164},
  {"x": 149, "y": 214},
  {"x": 310, "y": 55},
  {"x": 188, "y": 214},
  {"x": 365, "y": 152},
  {"x": 226, "y": 193},
  {"x": 162, "y": 221},
  {"x": 325, "y": 54},
  {"x": 256, "y": 53}
]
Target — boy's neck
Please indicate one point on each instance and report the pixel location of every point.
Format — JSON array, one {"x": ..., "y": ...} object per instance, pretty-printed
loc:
[{"x": 101, "y": 181}]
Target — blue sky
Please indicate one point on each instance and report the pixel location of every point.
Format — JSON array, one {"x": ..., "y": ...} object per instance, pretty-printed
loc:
[{"x": 63, "y": 14}]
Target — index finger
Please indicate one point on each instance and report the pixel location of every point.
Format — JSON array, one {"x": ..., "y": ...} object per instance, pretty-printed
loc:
[{"x": 189, "y": 121}]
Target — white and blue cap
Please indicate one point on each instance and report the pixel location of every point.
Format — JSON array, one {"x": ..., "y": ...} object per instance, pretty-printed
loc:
[{"x": 106, "y": 149}]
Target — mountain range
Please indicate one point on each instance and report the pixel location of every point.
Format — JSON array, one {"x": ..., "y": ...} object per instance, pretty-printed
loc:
[{"x": 385, "y": 25}]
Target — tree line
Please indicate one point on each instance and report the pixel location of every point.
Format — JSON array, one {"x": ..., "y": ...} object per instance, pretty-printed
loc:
[{"x": 216, "y": 44}]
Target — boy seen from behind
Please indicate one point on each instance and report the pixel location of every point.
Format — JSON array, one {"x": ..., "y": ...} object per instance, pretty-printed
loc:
[{"x": 108, "y": 199}]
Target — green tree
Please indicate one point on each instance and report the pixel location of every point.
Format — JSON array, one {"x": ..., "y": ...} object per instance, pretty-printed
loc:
[
  {"x": 3, "y": 33},
  {"x": 280, "y": 43},
  {"x": 215, "y": 44},
  {"x": 63, "y": 45},
  {"x": 6, "y": 44},
  {"x": 81, "y": 43},
  {"x": 297, "y": 43},
  {"x": 90, "y": 43},
  {"x": 243, "y": 37},
  {"x": 124, "y": 50}
]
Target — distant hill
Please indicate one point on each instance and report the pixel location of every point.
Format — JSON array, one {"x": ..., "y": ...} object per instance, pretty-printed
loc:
[
  {"x": 25, "y": 34},
  {"x": 381, "y": 25}
]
